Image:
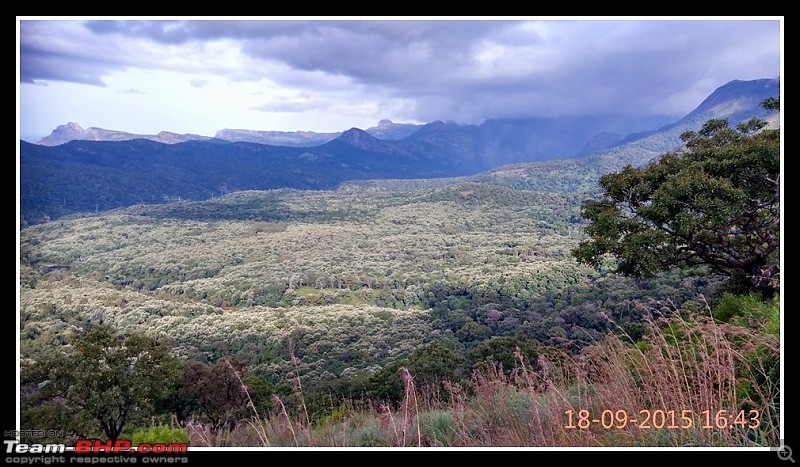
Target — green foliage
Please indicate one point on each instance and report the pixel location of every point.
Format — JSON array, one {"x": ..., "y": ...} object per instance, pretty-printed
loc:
[
  {"x": 337, "y": 415},
  {"x": 438, "y": 428},
  {"x": 361, "y": 281},
  {"x": 772, "y": 103},
  {"x": 385, "y": 385},
  {"x": 103, "y": 380},
  {"x": 349, "y": 279},
  {"x": 368, "y": 434},
  {"x": 472, "y": 333},
  {"x": 433, "y": 364},
  {"x": 717, "y": 205},
  {"x": 261, "y": 392},
  {"x": 214, "y": 394},
  {"x": 159, "y": 434},
  {"x": 331, "y": 400},
  {"x": 504, "y": 351},
  {"x": 749, "y": 311},
  {"x": 759, "y": 383},
  {"x": 735, "y": 356}
]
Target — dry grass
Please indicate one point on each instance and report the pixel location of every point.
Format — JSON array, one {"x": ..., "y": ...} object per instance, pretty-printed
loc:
[{"x": 683, "y": 370}]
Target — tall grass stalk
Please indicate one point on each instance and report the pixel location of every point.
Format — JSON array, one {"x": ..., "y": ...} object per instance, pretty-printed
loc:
[{"x": 691, "y": 366}]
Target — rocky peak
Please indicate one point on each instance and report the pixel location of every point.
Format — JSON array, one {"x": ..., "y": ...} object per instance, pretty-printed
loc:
[
  {"x": 63, "y": 133},
  {"x": 358, "y": 138}
]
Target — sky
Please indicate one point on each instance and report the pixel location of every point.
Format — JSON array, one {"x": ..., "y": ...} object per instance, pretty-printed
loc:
[{"x": 200, "y": 75}]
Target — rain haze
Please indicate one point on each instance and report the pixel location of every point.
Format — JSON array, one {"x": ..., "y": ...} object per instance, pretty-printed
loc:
[{"x": 326, "y": 75}]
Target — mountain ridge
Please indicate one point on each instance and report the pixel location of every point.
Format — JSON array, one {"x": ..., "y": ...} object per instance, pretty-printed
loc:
[
  {"x": 81, "y": 176},
  {"x": 72, "y": 131}
]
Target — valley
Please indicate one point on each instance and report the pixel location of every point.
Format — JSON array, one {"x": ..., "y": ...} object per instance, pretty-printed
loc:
[{"x": 313, "y": 305}]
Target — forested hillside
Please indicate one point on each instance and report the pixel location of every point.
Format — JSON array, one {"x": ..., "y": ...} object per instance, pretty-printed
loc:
[
  {"x": 339, "y": 288},
  {"x": 420, "y": 313}
]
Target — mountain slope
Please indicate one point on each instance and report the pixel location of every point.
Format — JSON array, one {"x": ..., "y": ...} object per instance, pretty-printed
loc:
[
  {"x": 84, "y": 176},
  {"x": 736, "y": 101}
]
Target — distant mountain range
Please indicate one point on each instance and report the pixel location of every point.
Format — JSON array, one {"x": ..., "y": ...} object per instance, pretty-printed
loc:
[
  {"x": 71, "y": 131},
  {"x": 115, "y": 169},
  {"x": 537, "y": 138}
]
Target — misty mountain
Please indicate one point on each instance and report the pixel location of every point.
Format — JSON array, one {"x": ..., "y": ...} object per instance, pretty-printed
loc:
[
  {"x": 73, "y": 131},
  {"x": 511, "y": 140},
  {"x": 81, "y": 176},
  {"x": 386, "y": 129},
  {"x": 735, "y": 101},
  {"x": 276, "y": 138}
]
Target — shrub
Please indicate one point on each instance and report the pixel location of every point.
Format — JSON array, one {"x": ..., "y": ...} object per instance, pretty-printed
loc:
[{"x": 159, "y": 434}]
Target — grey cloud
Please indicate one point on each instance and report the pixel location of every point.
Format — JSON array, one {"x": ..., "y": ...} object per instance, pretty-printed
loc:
[
  {"x": 283, "y": 104},
  {"x": 35, "y": 67},
  {"x": 163, "y": 31},
  {"x": 458, "y": 69},
  {"x": 571, "y": 66},
  {"x": 198, "y": 83},
  {"x": 371, "y": 51},
  {"x": 46, "y": 55},
  {"x": 179, "y": 32},
  {"x": 379, "y": 52}
]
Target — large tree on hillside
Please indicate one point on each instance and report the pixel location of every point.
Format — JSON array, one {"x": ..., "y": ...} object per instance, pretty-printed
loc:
[
  {"x": 715, "y": 204},
  {"x": 103, "y": 381}
]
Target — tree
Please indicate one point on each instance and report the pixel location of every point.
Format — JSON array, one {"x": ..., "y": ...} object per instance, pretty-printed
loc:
[
  {"x": 104, "y": 379},
  {"x": 431, "y": 365},
  {"x": 715, "y": 204},
  {"x": 214, "y": 393},
  {"x": 434, "y": 363},
  {"x": 504, "y": 351}
]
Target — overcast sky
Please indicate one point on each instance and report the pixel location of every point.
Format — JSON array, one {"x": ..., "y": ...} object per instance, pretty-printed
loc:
[{"x": 202, "y": 75}]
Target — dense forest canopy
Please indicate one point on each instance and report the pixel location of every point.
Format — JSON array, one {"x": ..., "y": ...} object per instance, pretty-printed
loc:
[{"x": 428, "y": 313}]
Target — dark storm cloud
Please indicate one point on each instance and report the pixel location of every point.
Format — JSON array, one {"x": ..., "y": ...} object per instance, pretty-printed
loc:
[
  {"x": 468, "y": 70},
  {"x": 36, "y": 65},
  {"x": 637, "y": 65},
  {"x": 179, "y": 32},
  {"x": 369, "y": 51},
  {"x": 552, "y": 66},
  {"x": 40, "y": 62},
  {"x": 46, "y": 55},
  {"x": 382, "y": 52}
]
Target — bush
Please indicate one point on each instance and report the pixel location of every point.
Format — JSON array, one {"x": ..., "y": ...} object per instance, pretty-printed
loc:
[
  {"x": 438, "y": 428},
  {"x": 749, "y": 311},
  {"x": 159, "y": 434}
]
